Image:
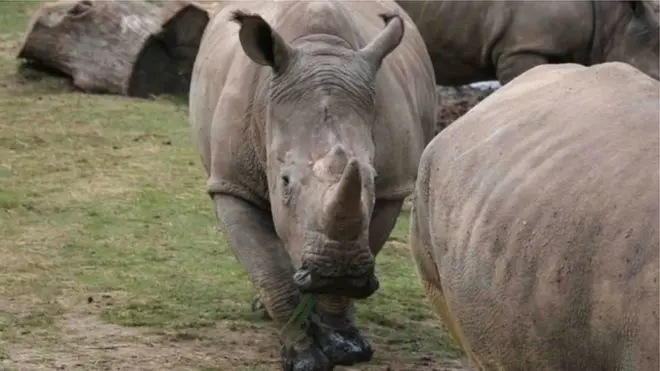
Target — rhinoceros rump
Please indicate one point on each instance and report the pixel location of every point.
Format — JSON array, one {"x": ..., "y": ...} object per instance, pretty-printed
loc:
[
  {"x": 480, "y": 40},
  {"x": 310, "y": 118},
  {"x": 535, "y": 222}
]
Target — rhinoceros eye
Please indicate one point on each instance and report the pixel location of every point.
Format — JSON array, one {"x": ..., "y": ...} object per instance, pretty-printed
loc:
[{"x": 286, "y": 188}]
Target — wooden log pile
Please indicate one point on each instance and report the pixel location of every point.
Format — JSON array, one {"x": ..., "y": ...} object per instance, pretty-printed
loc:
[{"x": 132, "y": 48}]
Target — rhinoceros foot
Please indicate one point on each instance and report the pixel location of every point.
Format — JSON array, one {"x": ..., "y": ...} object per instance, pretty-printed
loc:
[
  {"x": 309, "y": 359},
  {"x": 344, "y": 347},
  {"x": 259, "y": 308}
]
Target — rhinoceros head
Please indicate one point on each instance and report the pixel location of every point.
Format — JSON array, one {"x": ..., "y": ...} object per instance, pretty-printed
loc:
[
  {"x": 319, "y": 111},
  {"x": 635, "y": 38}
]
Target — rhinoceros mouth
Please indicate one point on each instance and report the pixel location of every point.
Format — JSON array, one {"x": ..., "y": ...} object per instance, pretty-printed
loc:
[{"x": 360, "y": 287}]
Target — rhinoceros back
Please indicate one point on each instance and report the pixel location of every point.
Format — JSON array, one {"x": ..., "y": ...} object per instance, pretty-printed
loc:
[{"x": 540, "y": 207}]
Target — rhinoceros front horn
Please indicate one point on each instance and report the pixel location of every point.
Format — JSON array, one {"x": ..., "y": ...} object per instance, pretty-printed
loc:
[{"x": 343, "y": 213}]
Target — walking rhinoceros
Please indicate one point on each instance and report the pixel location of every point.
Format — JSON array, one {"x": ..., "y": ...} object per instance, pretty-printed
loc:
[
  {"x": 535, "y": 222},
  {"x": 480, "y": 40},
  {"x": 310, "y": 118}
]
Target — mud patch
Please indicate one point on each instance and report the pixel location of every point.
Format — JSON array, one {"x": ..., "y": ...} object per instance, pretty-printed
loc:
[
  {"x": 454, "y": 102},
  {"x": 85, "y": 342},
  {"x": 81, "y": 340}
]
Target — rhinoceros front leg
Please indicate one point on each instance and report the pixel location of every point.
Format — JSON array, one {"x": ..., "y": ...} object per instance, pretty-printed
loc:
[
  {"x": 251, "y": 235},
  {"x": 509, "y": 66},
  {"x": 337, "y": 333}
]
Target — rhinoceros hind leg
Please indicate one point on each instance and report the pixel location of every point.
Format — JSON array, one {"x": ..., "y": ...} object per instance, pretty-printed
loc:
[
  {"x": 259, "y": 308},
  {"x": 509, "y": 66}
]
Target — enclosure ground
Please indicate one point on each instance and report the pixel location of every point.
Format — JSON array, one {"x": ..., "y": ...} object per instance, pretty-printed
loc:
[{"x": 109, "y": 255}]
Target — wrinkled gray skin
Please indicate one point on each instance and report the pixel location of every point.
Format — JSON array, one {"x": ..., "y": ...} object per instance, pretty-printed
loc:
[
  {"x": 472, "y": 41},
  {"x": 310, "y": 133},
  {"x": 535, "y": 222}
]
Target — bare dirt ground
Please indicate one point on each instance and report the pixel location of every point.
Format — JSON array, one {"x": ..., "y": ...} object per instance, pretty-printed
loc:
[{"x": 83, "y": 341}]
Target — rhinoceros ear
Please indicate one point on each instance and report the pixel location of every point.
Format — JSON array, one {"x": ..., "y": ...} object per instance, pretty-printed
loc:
[
  {"x": 260, "y": 42},
  {"x": 386, "y": 41}
]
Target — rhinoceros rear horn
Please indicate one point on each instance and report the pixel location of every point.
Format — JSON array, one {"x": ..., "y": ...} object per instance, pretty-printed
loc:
[
  {"x": 260, "y": 42},
  {"x": 386, "y": 41},
  {"x": 343, "y": 213}
]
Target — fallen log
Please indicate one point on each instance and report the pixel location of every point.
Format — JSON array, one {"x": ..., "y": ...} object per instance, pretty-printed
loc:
[
  {"x": 117, "y": 47},
  {"x": 183, "y": 24}
]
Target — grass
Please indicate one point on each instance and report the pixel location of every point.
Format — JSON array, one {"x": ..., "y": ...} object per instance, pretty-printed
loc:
[{"x": 109, "y": 252}]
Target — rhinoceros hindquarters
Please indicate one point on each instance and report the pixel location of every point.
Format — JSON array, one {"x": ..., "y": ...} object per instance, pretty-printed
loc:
[{"x": 535, "y": 227}]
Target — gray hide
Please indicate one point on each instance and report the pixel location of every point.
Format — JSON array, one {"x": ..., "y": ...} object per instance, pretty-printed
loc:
[
  {"x": 535, "y": 222},
  {"x": 310, "y": 118},
  {"x": 473, "y": 40}
]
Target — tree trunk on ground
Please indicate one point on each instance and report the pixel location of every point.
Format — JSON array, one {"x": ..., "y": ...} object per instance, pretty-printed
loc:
[
  {"x": 117, "y": 47},
  {"x": 183, "y": 23}
]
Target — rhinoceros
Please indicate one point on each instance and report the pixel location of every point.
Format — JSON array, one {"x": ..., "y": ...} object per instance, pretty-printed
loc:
[
  {"x": 310, "y": 118},
  {"x": 480, "y": 40},
  {"x": 534, "y": 225}
]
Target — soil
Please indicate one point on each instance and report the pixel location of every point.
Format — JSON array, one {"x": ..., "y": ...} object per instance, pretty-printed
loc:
[
  {"x": 454, "y": 102},
  {"x": 83, "y": 341}
]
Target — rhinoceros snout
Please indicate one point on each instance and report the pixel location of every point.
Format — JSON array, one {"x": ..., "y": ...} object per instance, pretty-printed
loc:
[{"x": 309, "y": 280}]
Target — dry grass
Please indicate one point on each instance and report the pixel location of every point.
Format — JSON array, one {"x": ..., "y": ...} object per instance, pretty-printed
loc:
[{"x": 109, "y": 256}]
